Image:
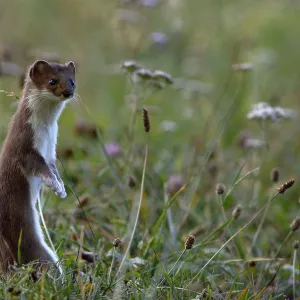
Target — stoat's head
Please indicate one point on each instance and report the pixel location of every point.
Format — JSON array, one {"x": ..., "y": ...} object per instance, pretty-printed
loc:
[{"x": 54, "y": 81}]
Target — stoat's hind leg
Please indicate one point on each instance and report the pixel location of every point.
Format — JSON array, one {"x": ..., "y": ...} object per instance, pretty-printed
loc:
[{"x": 43, "y": 256}]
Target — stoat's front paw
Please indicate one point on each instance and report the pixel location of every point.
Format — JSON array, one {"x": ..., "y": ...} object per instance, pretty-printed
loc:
[
  {"x": 63, "y": 193},
  {"x": 57, "y": 187}
]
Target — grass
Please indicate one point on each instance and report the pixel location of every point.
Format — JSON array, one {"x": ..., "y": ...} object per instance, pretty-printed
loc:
[{"x": 198, "y": 131}]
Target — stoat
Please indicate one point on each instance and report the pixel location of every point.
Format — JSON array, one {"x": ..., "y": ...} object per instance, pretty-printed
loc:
[{"x": 27, "y": 161}]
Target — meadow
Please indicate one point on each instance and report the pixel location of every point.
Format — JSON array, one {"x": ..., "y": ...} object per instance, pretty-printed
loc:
[{"x": 205, "y": 203}]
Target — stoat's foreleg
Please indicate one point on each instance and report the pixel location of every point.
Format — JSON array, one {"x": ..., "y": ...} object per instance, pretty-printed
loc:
[
  {"x": 35, "y": 165},
  {"x": 55, "y": 172}
]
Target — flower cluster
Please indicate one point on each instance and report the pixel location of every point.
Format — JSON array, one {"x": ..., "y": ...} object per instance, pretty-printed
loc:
[
  {"x": 264, "y": 111},
  {"x": 157, "y": 78}
]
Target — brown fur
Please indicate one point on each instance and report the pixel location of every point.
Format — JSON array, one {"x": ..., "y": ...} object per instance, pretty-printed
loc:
[{"x": 18, "y": 160}]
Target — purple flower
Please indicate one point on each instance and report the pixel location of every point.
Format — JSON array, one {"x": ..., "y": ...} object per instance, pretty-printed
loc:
[
  {"x": 113, "y": 149},
  {"x": 149, "y": 3},
  {"x": 159, "y": 38}
]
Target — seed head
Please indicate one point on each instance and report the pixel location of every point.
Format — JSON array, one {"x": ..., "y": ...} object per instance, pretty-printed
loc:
[
  {"x": 283, "y": 188},
  {"x": 275, "y": 174},
  {"x": 236, "y": 212},
  {"x": 295, "y": 225},
  {"x": 88, "y": 256},
  {"x": 131, "y": 182},
  {"x": 252, "y": 264},
  {"x": 146, "y": 120},
  {"x": 220, "y": 188},
  {"x": 189, "y": 242},
  {"x": 83, "y": 201},
  {"x": 296, "y": 245},
  {"x": 117, "y": 242}
]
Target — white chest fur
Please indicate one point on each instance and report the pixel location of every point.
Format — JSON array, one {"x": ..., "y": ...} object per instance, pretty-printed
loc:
[
  {"x": 45, "y": 113},
  {"x": 45, "y": 137}
]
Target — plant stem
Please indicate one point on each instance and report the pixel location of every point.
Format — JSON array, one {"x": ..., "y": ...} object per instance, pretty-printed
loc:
[
  {"x": 229, "y": 240},
  {"x": 139, "y": 207}
]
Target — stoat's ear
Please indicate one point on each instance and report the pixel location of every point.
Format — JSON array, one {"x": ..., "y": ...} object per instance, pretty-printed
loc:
[
  {"x": 39, "y": 67},
  {"x": 71, "y": 67}
]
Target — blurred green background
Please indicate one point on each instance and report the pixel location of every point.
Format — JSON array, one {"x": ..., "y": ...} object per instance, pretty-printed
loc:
[{"x": 197, "y": 42}]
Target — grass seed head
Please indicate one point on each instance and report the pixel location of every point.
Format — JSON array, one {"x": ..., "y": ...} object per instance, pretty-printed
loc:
[
  {"x": 83, "y": 201},
  {"x": 275, "y": 174},
  {"x": 117, "y": 242},
  {"x": 284, "y": 187},
  {"x": 131, "y": 182},
  {"x": 252, "y": 264},
  {"x": 236, "y": 212},
  {"x": 189, "y": 242},
  {"x": 220, "y": 188},
  {"x": 88, "y": 256},
  {"x": 146, "y": 120},
  {"x": 295, "y": 225}
]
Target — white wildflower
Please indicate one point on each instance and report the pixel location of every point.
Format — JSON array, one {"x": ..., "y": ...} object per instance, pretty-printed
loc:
[
  {"x": 265, "y": 111},
  {"x": 130, "y": 66},
  {"x": 160, "y": 75},
  {"x": 142, "y": 75}
]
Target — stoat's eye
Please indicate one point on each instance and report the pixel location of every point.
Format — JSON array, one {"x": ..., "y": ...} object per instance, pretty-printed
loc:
[
  {"x": 53, "y": 81},
  {"x": 72, "y": 82}
]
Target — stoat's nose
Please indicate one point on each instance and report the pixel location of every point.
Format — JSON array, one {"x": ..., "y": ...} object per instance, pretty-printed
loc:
[{"x": 67, "y": 93}]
